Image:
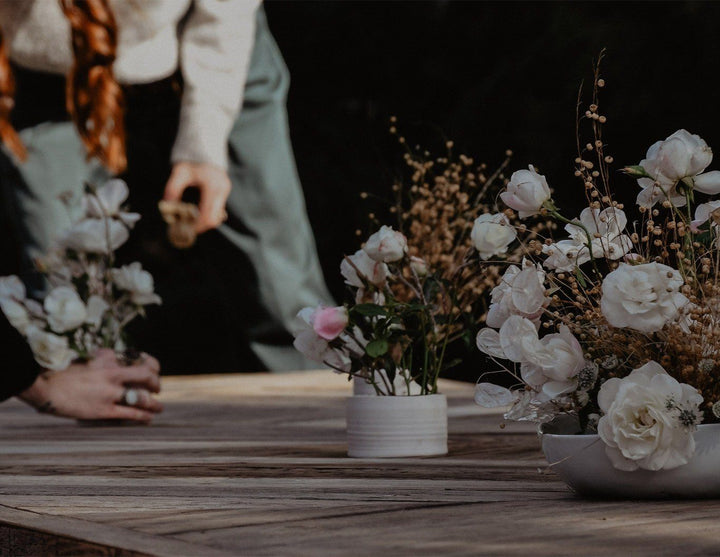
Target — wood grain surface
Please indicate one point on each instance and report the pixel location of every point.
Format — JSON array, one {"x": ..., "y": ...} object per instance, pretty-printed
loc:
[{"x": 255, "y": 465}]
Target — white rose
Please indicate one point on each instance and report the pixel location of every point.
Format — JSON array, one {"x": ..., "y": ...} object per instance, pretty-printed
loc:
[
  {"x": 138, "y": 282},
  {"x": 12, "y": 287},
  {"x": 95, "y": 236},
  {"x": 526, "y": 192},
  {"x": 65, "y": 310},
  {"x": 519, "y": 293},
  {"x": 50, "y": 351},
  {"x": 549, "y": 364},
  {"x": 681, "y": 157},
  {"x": 16, "y": 314},
  {"x": 649, "y": 419},
  {"x": 492, "y": 234},
  {"x": 107, "y": 202},
  {"x": 386, "y": 245},
  {"x": 375, "y": 272},
  {"x": 565, "y": 255},
  {"x": 606, "y": 229},
  {"x": 643, "y": 297}
]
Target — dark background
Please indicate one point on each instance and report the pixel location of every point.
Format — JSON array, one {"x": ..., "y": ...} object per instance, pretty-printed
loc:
[{"x": 489, "y": 75}]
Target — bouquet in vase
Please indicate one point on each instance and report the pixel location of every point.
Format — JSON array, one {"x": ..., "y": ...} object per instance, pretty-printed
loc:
[{"x": 414, "y": 292}]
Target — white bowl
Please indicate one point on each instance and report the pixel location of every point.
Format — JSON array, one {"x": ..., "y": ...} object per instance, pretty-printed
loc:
[{"x": 581, "y": 462}]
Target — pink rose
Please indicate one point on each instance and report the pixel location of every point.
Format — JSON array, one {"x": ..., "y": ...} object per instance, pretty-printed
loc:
[{"x": 328, "y": 323}]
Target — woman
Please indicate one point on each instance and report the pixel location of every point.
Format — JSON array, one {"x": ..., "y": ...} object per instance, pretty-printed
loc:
[
  {"x": 230, "y": 300},
  {"x": 94, "y": 390}
]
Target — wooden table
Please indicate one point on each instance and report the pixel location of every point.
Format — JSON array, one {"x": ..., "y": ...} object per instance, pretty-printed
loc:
[{"x": 255, "y": 465}]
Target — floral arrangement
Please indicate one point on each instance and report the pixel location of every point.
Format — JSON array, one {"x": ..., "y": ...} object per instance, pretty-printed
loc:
[
  {"x": 379, "y": 337},
  {"x": 416, "y": 291},
  {"x": 90, "y": 301},
  {"x": 614, "y": 328}
]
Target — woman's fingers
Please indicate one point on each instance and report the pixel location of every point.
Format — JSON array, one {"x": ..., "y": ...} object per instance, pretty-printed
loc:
[
  {"x": 180, "y": 179},
  {"x": 214, "y": 185},
  {"x": 214, "y": 192},
  {"x": 140, "y": 375},
  {"x": 146, "y": 401},
  {"x": 150, "y": 362}
]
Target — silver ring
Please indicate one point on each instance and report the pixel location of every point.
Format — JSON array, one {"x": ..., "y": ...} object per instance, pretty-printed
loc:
[{"x": 130, "y": 397}]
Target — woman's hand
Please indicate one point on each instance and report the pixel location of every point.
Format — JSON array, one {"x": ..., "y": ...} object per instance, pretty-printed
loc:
[
  {"x": 214, "y": 185},
  {"x": 95, "y": 390}
]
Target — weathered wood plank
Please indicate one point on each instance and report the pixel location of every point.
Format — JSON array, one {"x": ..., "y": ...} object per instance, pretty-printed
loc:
[
  {"x": 256, "y": 465},
  {"x": 102, "y": 535}
]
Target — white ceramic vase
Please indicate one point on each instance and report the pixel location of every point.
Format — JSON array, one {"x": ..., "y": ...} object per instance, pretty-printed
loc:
[
  {"x": 396, "y": 426},
  {"x": 581, "y": 462}
]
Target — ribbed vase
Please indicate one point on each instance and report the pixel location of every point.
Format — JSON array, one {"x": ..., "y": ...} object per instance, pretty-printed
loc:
[{"x": 396, "y": 426}]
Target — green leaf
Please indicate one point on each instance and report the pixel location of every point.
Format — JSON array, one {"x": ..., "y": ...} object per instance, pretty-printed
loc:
[
  {"x": 376, "y": 348},
  {"x": 369, "y": 310}
]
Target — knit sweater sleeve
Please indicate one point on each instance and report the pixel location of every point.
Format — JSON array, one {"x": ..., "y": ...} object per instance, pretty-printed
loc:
[
  {"x": 19, "y": 368},
  {"x": 215, "y": 48}
]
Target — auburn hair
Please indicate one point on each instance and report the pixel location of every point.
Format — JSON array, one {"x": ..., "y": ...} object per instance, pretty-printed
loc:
[{"x": 93, "y": 97}]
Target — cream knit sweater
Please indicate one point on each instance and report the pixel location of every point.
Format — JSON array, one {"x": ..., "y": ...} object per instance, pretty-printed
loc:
[{"x": 213, "y": 52}]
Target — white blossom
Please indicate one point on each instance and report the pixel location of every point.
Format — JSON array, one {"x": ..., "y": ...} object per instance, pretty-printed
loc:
[
  {"x": 642, "y": 297},
  {"x": 16, "y": 314},
  {"x": 708, "y": 212},
  {"x": 139, "y": 283},
  {"x": 526, "y": 192},
  {"x": 386, "y": 245},
  {"x": 682, "y": 157},
  {"x": 492, "y": 234},
  {"x": 12, "y": 287},
  {"x": 550, "y": 364},
  {"x": 107, "y": 203},
  {"x": 565, "y": 255},
  {"x": 51, "y": 351},
  {"x": 649, "y": 419},
  {"x": 65, "y": 310},
  {"x": 520, "y": 292},
  {"x": 606, "y": 230},
  {"x": 95, "y": 236},
  {"x": 419, "y": 265},
  {"x": 375, "y": 272}
]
